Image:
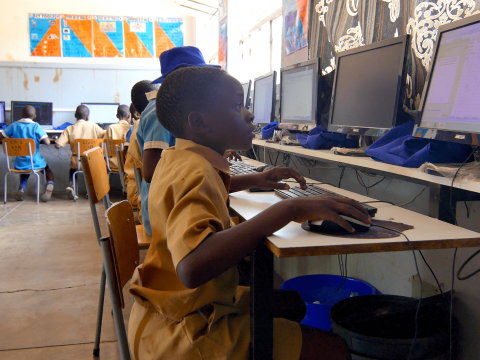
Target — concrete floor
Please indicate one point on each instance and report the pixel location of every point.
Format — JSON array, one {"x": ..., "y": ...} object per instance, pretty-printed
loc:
[{"x": 50, "y": 265}]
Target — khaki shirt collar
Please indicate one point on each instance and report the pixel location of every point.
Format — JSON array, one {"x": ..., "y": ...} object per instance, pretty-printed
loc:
[
  {"x": 26, "y": 121},
  {"x": 217, "y": 160},
  {"x": 151, "y": 95},
  {"x": 124, "y": 122}
]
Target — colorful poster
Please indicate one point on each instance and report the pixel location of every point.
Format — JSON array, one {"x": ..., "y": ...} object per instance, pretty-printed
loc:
[
  {"x": 168, "y": 34},
  {"x": 77, "y": 36},
  {"x": 44, "y": 35},
  {"x": 222, "y": 44},
  {"x": 295, "y": 25},
  {"x": 138, "y": 34},
  {"x": 108, "y": 36}
]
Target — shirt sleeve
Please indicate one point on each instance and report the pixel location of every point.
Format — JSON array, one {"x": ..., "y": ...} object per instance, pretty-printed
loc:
[
  {"x": 128, "y": 135},
  {"x": 64, "y": 138},
  {"x": 100, "y": 132},
  {"x": 8, "y": 132},
  {"x": 40, "y": 133},
  {"x": 157, "y": 137}
]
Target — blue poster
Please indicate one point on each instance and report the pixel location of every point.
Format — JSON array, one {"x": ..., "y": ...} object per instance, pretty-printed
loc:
[
  {"x": 173, "y": 27},
  {"x": 77, "y": 36},
  {"x": 108, "y": 36},
  {"x": 44, "y": 31}
]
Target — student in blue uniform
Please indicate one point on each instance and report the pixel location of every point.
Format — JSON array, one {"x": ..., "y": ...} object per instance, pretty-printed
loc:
[{"x": 26, "y": 128}]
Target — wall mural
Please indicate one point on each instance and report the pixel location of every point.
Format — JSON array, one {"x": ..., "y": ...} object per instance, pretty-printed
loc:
[{"x": 339, "y": 25}]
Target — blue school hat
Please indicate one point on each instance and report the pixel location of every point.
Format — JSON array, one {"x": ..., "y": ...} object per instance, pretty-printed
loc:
[{"x": 178, "y": 57}]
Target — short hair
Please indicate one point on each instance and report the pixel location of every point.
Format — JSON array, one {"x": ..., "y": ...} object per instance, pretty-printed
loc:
[
  {"x": 138, "y": 92},
  {"x": 123, "y": 111},
  {"x": 82, "y": 112},
  {"x": 183, "y": 91},
  {"x": 29, "y": 112},
  {"x": 132, "y": 110}
]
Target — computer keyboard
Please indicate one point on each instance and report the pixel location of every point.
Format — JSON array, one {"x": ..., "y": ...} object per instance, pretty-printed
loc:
[
  {"x": 242, "y": 168},
  {"x": 313, "y": 190}
]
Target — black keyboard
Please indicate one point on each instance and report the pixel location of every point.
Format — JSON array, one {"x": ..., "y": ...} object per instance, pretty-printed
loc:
[
  {"x": 241, "y": 168},
  {"x": 312, "y": 190}
]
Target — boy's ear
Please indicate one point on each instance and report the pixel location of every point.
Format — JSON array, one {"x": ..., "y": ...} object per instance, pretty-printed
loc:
[
  {"x": 34, "y": 117},
  {"x": 197, "y": 123}
]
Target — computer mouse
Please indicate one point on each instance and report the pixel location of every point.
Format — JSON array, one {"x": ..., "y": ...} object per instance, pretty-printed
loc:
[
  {"x": 261, "y": 168},
  {"x": 330, "y": 226}
]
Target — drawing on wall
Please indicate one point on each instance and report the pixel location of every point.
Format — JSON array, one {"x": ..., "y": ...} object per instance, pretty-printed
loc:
[
  {"x": 108, "y": 36},
  {"x": 222, "y": 44},
  {"x": 44, "y": 35},
  {"x": 77, "y": 36},
  {"x": 138, "y": 37},
  {"x": 168, "y": 34},
  {"x": 296, "y": 22}
]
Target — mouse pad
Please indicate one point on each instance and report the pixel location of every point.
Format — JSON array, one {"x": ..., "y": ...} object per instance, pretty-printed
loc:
[{"x": 375, "y": 232}]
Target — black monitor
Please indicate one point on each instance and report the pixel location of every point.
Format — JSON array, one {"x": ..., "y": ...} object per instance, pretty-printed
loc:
[
  {"x": 43, "y": 110},
  {"x": 246, "y": 93},
  {"x": 102, "y": 113},
  {"x": 369, "y": 87},
  {"x": 2, "y": 112},
  {"x": 299, "y": 86},
  {"x": 264, "y": 98},
  {"x": 450, "y": 106}
]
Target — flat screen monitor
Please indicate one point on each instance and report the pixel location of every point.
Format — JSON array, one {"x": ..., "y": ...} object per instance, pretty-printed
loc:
[
  {"x": 299, "y": 94},
  {"x": 450, "y": 107},
  {"x": 369, "y": 87},
  {"x": 102, "y": 113},
  {"x": 264, "y": 98},
  {"x": 43, "y": 110},
  {"x": 246, "y": 93},
  {"x": 2, "y": 112}
]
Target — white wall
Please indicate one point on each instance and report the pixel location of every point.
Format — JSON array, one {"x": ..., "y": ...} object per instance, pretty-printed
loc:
[{"x": 14, "y": 35}]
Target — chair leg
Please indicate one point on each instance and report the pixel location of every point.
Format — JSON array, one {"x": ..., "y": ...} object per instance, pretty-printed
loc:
[
  {"x": 101, "y": 298},
  {"x": 5, "y": 189},
  {"x": 38, "y": 187},
  {"x": 75, "y": 186}
]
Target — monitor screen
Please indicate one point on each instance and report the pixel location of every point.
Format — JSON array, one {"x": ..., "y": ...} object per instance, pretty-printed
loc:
[
  {"x": 264, "y": 98},
  {"x": 102, "y": 113},
  {"x": 451, "y": 98},
  {"x": 368, "y": 86},
  {"x": 43, "y": 110},
  {"x": 298, "y": 89},
  {"x": 246, "y": 93},
  {"x": 2, "y": 112}
]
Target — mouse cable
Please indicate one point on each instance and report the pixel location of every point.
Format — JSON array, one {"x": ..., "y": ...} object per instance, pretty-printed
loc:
[
  {"x": 388, "y": 202},
  {"x": 362, "y": 182},
  {"x": 421, "y": 287},
  {"x": 378, "y": 201},
  {"x": 343, "y": 271},
  {"x": 254, "y": 153},
  {"x": 341, "y": 175}
]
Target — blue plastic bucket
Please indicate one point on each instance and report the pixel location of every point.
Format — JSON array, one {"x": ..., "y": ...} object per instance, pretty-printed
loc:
[{"x": 319, "y": 294}]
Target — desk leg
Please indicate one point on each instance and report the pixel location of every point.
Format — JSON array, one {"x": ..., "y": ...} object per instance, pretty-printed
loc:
[
  {"x": 439, "y": 206},
  {"x": 261, "y": 314}
]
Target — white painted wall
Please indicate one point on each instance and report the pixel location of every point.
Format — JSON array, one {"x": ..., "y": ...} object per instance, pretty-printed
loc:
[{"x": 14, "y": 35}]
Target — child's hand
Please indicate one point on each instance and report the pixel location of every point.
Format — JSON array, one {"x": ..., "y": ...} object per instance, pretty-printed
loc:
[
  {"x": 269, "y": 180},
  {"x": 327, "y": 207},
  {"x": 232, "y": 155}
]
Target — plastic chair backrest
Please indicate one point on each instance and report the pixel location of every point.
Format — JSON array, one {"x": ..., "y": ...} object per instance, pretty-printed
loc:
[
  {"x": 110, "y": 146},
  {"x": 79, "y": 146},
  {"x": 18, "y": 147},
  {"x": 138, "y": 165},
  {"x": 96, "y": 176},
  {"x": 124, "y": 243}
]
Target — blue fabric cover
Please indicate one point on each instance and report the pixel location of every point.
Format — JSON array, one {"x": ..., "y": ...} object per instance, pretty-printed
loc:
[
  {"x": 63, "y": 126},
  {"x": 319, "y": 138},
  {"x": 267, "y": 131},
  {"x": 399, "y": 147}
]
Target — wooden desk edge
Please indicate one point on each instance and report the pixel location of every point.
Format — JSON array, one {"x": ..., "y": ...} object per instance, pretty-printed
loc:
[{"x": 371, "y": 248}]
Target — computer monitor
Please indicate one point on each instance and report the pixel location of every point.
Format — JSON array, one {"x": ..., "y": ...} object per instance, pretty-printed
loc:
[
  {"x": 246, "y": 93},
  {"x": 102, "y": 113},
  {"x": 2, "y": 112},
  {"x": 369, "y": 88},
  {"x": 450, "y": 106},
  {"x": 43, "y": 110},
  {"x": 264, "y": 98},
  {"x": 299, "y": 86}
]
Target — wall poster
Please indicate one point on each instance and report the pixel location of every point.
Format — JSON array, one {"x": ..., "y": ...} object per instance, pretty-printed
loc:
[
  {"x": 296, "y": 22},
  {"x": 108, "y": 36},
  {"x": 44, "y": 35},
  {"x": 77, "y": 36},
  {"x": 168, "y": 34},
  {"x": 138, "y": 37},
  {"x": 222, "y": 44}
]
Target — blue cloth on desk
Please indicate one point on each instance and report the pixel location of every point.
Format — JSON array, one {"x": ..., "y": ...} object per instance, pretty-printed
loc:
[
  {"x": 399, "y": 147},
  {"x": 319, "y": 138},
  {"x": 269, "y": 129},
  {"x": 63, "y": 126}
]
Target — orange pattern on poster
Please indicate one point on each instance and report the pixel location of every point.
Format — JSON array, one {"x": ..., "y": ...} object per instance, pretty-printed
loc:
[
  {"x": 103, "y": 46},
  {"x": 49, "y": 47},
  {"x": 134, "y": 47},
  {"x": 162, "y": 41},
  {"x": 302, "y": 6},
  {"x": 83, "y": 30}
]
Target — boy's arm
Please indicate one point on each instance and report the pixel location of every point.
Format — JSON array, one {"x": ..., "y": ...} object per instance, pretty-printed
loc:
[
  {"x": 64, "y": 138},
  {"x": 222, "y": 250},
  {"x": 151, "y": 157},
  {"x": 267, "y": 180}
]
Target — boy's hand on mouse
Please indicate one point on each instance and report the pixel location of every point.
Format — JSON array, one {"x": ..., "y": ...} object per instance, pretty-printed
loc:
[
  {"x": 327, "y": 207},
  {"x": 232, "y": 155},
  {"x": 269, "y": 180}
]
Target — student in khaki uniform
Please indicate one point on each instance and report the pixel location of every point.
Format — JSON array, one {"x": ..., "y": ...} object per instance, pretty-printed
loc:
[
  {"x": 188, "y": 304},
  {"x": 82, "y": 129},
  {"x": 118, "y": 131}
]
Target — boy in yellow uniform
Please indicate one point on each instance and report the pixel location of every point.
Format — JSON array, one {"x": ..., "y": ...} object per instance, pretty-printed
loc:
[
  {"x": 118, "y": 131},
  {"x": 82, "y": 129},
  {"x": 188, "y": 304}
]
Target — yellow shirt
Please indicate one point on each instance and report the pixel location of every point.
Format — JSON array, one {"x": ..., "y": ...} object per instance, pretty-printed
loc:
[
  {"x": 188, "y": 201},
  {"x": 132, "y": 195},
  {"x": 80, "y": 130},
  {"x": 116, "y": 132}
]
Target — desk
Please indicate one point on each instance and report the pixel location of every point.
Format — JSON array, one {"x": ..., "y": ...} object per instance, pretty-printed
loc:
[
  {"x": 439, "y": 206},
  {"x": 293, "y": 241}
]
